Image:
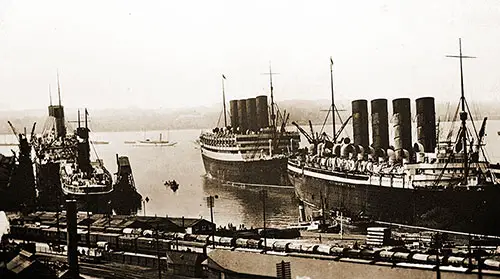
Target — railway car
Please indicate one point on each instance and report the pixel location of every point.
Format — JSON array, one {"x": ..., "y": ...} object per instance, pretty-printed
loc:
[
  {"x": 352, "y": 253},
  {"x": 255, "y": 243},
  {"x": 308, "y": 248},
  {"x": 492, "y": 264},
  {"x": 227, "y": 241},
  {"x": 179, "y": 236},
  {"x": 386, "y": 255},
  {"x": 127, "y": 243},
  {"x": 110, "y": 238},
  {"x": 281, "y": 246},
  {"x": 324, "y": 249},
  {"x": 202, "y": 238},
  {"x": 338, "y": 251},
  {"x": 369, "y": 254},
  {"x": 420, "y": 258},
  {"x": 294, "y": 247},
  {"x": 455, "y": 261},
  {"x": 401, "y": 257},
  {"x": 241, "y": 243}
]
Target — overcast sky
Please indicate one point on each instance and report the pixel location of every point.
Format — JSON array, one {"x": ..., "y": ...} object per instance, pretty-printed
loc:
[{"x": 170, "y": 54}]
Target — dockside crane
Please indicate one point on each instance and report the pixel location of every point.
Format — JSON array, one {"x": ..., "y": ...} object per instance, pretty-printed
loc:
[{"x": 16, "y": 134}]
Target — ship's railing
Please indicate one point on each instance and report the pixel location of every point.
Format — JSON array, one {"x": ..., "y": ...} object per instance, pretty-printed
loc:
[{"x": 93, "y": 189}]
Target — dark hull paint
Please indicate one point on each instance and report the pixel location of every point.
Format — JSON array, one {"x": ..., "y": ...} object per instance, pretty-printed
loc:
[
  {"x": 51, "y": 196},
  {"x": 461, "y": 210},
  {"x": 269, "y": 172}
]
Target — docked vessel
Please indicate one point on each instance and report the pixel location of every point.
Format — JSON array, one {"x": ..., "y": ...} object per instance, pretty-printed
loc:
[
  {"x": 64, "y": 168},
  {"x": 447, "y": 184},
  {"x": 79, "y": 176},
  {"x": 251, "y": 150}
]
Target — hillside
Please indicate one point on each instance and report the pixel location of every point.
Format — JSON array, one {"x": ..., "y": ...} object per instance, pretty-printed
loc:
[{"x": 203, "y": 117}]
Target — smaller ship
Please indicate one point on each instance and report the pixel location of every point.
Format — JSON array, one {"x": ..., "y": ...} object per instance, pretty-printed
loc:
[
  {"x": 80, "y": 176},
  {"x": 249, "y": 151}
]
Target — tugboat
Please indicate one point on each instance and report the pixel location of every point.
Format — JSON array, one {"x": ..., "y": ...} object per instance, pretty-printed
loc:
[
  {"x": 440, "y": 184},
  {"x": 250, "y": 151}
]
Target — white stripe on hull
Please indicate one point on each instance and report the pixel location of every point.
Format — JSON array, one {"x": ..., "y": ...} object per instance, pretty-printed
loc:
[{"x": 238, "y": 157}]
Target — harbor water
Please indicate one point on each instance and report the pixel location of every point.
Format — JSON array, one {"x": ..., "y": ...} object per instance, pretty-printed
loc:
[{"x": 153, "y": 165}]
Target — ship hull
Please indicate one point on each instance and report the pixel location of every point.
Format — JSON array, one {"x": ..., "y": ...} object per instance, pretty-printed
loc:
[
  {"x": 474, "y": 211},
  {"x": 269, "y": 171}
]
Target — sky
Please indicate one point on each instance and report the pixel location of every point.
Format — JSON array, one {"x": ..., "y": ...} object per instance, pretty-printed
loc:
[{"x": 172, "y": 54}]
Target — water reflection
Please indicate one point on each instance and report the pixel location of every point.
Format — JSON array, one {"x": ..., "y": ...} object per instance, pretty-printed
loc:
[{"x": 243, "y": 204}]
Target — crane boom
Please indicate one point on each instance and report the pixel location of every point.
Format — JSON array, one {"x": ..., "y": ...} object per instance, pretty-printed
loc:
[
  {"x": 14, "y": 130},
  {"x": 308, "y": 137}
]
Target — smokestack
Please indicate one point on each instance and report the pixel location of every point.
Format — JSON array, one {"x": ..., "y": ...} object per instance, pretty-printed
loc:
[
  {"x": 252, "y": 114},
  {"x": 72, "y": 238},
  {"x": 262, "y": 112},
  {"x": 57, "y": 111},
  {"x": 426, "y": 123},
  {"x": 242, "y": 115},
  {"x": 233, "y": 110},
  {"x": 360, "y": 122},
  {"x": 380, "y": 125},
  {"x": 402, "y": 126}
]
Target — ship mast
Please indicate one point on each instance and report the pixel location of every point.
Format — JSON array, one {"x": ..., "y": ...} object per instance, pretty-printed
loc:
[
  {"x": 463, "y": 113},
  {"x": 58, "y": 89},
  {"x": 273, "y": 117},
  {"x": 333, "y": 101},
  {"x": 224, "y": 100}
]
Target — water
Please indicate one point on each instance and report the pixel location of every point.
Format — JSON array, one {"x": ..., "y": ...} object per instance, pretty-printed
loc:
[{"x": 151, "y": 166}]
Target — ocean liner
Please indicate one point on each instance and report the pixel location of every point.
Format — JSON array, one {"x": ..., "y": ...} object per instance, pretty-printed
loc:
[
  {"x": 250, "y": 150},
  {"x": 447, "y": 184}
]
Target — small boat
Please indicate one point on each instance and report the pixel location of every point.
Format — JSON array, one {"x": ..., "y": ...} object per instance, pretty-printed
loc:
[
  {"x": 172, "y": 184},
  {"x": 316, "y": 224},
  {"x": 160, "y": 142},
  {"x": 130, "y": 142},
  {"x": 99, "y": 142}
]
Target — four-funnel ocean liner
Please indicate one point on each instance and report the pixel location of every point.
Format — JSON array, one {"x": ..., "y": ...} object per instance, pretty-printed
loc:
[
  {"x": 437, "y": 183},
  {"x": 250, "y": 150}
]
